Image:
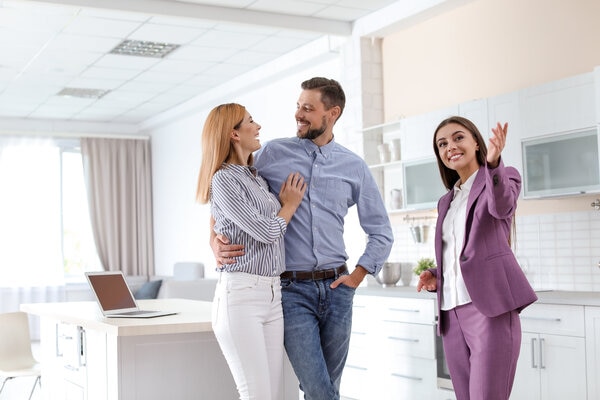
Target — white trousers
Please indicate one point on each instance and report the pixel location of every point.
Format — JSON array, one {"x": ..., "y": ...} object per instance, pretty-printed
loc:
[{"x": 248, "y": 322}]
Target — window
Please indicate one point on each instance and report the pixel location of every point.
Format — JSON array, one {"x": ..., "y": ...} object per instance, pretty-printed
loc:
[
  {"x": 45, "y": 234},
  {"x": 79, "y": 251}
]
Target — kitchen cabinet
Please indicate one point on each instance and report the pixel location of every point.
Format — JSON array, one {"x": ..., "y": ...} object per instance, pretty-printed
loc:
[
  {"x": 597, "y": 92},
  {"x": 559, "y": 106},
  {"x": 386, "y": 170},
  {"x": 505, "y": 108},
  {"x": 417, "y": 133},
  {"x": 565, "y": 164},
  {"x": 592, "y": 342},
  {"x": 423, "y": 185},
  {"x": 552, "y": 362},
  {"x": 65, "y": 368},
  {"x": 476, "y": 111},
  {"x": 392, "y": 349},
  {"x": 406, "y": 182}
]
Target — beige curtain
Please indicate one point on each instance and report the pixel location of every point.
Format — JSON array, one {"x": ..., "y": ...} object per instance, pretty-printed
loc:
[{"x": 119, "y": 186}]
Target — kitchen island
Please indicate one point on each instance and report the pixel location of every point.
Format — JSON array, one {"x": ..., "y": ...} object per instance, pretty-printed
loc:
[{"x": 87, "y": 356}]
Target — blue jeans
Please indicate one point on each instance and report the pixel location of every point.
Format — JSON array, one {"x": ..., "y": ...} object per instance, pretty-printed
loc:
[{"x": 317, "y": 324}]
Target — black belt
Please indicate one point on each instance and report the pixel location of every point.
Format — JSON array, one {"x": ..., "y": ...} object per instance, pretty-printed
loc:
[{"x": 316, "y": 275}]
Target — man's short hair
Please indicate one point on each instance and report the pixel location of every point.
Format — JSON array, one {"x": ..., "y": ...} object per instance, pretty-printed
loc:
[{"x": 331, "y": 91}]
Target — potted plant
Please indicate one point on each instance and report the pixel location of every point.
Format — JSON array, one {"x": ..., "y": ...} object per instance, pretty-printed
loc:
[{"x": 423, "y": 264}]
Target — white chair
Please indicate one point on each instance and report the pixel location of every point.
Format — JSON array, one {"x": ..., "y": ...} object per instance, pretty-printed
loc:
[
  {"x": 187, "y": 271},
  {"x": 16, "y": 357}
]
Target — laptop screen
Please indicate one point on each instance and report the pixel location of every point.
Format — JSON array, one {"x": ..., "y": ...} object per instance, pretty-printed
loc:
[{"x": 112, "y": 291}]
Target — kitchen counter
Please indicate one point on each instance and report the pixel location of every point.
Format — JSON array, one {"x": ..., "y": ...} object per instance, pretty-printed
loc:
[
  {"x": 544, "y": 296},
  {"x": 170, "y": 357},
  {"x": 192, "y": 316},
  {"x": 374, "y": 289},
  {"x": 568, "y": 297}
]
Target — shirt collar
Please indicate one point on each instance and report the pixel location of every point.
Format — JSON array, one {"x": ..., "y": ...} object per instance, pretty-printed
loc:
[
  {"x": 467, "y": 185},
  {"x": 312, "y": 148},
  {"x": 247, "y": 169}
]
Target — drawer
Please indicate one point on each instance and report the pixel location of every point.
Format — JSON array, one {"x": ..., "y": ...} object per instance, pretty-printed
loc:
[
  {"x": 354, "y": 384},
  {"x": 360, "y": 357},
  {"x": 409, "y": 378},
  {"x": 417, "y": 311},
  {"x": 403, "y": 339},
  {"x": 361, "y": 318},
  {"x": 553, "y": 319}
]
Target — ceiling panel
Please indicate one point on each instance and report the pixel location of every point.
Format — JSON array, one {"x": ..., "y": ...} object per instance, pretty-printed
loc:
[{"x": 47, "y": 46}]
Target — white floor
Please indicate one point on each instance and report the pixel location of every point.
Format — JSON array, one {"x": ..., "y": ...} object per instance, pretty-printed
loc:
[{"x": 19, "y": 388}]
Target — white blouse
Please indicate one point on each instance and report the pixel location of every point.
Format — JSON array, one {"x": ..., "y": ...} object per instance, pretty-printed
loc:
[{"x": 453, "y": 237}]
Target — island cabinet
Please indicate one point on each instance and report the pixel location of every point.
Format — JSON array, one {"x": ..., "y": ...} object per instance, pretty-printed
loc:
[
  {"x": 392, "y": 349},
  {"x": 85, "y": 356},
  {"x": 552, "y": 362}
]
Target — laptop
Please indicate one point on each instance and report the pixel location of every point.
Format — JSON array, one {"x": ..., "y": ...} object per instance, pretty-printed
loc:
[{"x": 114, "y": 296}]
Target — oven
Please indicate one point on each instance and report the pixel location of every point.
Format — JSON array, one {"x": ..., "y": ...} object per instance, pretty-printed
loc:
[{"x": 443, "y": 375}]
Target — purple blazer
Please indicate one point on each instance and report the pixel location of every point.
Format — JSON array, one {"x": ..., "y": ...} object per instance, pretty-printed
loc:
[{"x": 489, "y": 267}]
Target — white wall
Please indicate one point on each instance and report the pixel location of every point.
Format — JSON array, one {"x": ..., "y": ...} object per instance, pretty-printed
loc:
[{"x": 181, "y": 229}]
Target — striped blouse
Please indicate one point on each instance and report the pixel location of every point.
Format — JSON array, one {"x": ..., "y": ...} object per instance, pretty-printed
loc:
[{"x": 245, "y": 211}]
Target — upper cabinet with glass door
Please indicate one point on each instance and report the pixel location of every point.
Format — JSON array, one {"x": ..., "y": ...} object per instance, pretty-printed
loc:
[{"x": 562, "y": 165}]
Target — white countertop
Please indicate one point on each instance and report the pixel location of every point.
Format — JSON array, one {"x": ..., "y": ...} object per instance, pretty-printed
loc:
[
  {"x": 192, "y": 316},
  {"x": 544, "y": 297}
]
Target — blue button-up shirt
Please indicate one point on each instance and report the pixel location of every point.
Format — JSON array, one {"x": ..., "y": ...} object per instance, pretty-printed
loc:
[{"x": 337, "y": 179}]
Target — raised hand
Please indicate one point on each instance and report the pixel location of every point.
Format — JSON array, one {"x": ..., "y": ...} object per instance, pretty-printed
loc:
[{"x": 496, "y": 144}]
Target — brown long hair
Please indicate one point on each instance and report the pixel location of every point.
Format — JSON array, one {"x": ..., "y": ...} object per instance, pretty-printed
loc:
[
  {"x": 450, "y": 176},
  {"x": 216, "y": 144}
]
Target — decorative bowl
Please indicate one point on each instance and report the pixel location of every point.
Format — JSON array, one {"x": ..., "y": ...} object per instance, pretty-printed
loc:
[{"x": 389, "y": 274}]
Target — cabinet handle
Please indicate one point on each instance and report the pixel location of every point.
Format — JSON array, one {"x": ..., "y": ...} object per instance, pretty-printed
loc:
[
  {"x": 404, "y": 310},
  {"x": 542, "y": 319},
  {"x": 57, "y": 347},
  {"x": 403, "y": 339},
  {"x": 542, "y": 346},
  {"x": 414, "y": 378},
  {"x": 355, "y": 367},
  {"x": 533, "y": 364}
]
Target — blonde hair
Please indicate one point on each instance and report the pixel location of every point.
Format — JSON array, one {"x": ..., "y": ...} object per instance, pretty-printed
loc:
[{"x": 216, "y": 144}]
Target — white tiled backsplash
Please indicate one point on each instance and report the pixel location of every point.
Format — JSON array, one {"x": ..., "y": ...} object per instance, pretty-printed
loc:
[{"x": 558, "y": 251}]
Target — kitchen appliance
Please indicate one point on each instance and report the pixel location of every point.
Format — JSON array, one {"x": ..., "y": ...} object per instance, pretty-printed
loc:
[{"x": 443, "y": 374}]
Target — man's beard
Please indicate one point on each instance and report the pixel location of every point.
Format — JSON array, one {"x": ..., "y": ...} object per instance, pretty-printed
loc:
[{"x": 313, "y": 133}]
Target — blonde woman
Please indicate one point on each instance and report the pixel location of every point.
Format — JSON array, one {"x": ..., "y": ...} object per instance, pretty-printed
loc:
[{"x": 247, "y": 315}]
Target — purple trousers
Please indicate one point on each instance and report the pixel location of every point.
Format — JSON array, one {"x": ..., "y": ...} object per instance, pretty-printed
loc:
[{"x": 481, "y": 352}]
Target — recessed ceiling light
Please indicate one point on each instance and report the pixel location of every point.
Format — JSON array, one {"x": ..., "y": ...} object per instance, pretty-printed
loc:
[
  {"x": 144, "y": 49},
  {"x": 84, "y": 93}
]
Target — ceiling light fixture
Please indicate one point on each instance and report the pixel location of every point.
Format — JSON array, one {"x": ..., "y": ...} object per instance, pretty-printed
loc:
[
  {"x": 142, "y": 48},
  {"x": 83, "y": 93}
]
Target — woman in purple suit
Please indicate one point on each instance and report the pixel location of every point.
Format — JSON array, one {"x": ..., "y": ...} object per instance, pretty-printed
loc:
[{"x": 480, "y": 286}]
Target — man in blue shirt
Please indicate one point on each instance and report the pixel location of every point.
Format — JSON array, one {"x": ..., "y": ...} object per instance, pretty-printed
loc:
[{"x": 317, "y": 288}]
